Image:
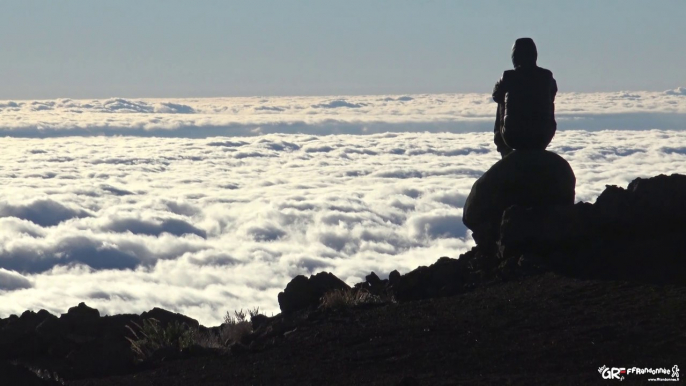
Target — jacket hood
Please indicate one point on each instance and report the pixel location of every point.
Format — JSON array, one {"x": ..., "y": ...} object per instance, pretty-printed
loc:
[{"x": 524, "y": 52}]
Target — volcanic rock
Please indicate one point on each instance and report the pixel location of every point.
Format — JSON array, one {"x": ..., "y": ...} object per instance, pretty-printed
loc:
[
  {"x": 393, "y": 276},
  {"x": 646, "y": 205},
  {"x": 81, "y": 313},
  {"x": 373, "y": 280},
  {"x": 539, "y": 230},
  {"x": 628, "y": 234},
  {"x": 374, "y": 285},
  {"x": 165, "y": 317},
  {"x": 258, "y": 321},
  {"x": 302, "y": 293},
  {"x": 78, "y": 344},
  {"x": 443, "y": 278},
  {"x": 29, "y": 320},
  {"x": 528, "y": 178}
]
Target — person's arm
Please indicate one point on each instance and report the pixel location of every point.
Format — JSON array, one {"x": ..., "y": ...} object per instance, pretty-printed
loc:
[
  {"x": 499, "y": 90},
  {"x": 553, "y": 127},
  {"x": 553, "y": 90},
  {"x": 496, "y": 127},
  {"x": 500, "y": 145}
]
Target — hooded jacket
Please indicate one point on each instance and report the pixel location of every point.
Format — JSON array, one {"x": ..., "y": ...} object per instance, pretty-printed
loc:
[{"x": 526, "y": 102}]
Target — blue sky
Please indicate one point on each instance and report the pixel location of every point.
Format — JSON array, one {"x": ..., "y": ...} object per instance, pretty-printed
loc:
[{"x": 134, "y": 48}]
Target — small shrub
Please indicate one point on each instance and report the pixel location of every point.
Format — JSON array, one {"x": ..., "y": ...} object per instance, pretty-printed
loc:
[
  {"x": 240, "y": 316},
  {"x": 236, "y": 326},
  {"x": 151, "y": 336}
]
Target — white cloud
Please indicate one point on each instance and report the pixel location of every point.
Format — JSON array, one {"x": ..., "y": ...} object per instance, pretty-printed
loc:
[
  {"x": 677, "y": 91},
  {"x": 44, "y": 212},
  {"x": 12, "y": 281},
  {"x": 208, "y": 117},
  {"x": 206, "y": 225}
]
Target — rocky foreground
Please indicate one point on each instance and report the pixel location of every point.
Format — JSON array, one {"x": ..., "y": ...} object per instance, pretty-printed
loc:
[{"x": 564, "y": 291}]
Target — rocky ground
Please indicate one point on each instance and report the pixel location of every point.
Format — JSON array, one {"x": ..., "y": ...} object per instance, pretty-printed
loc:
[
  {"x": 543, "y": 329},
  {"x": 565, "y": 290}
]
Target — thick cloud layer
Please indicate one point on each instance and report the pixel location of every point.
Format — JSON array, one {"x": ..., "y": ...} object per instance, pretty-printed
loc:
[
  {"x": 202, "y": 226},
  {"x": 203, "y": 118}
]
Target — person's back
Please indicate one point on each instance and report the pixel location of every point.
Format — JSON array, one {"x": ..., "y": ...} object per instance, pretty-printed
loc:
[{"x": 525, "y": 96}]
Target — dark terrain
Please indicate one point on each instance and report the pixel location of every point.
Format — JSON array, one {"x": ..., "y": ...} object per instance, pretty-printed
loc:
[{"x": 544, "y": 329}]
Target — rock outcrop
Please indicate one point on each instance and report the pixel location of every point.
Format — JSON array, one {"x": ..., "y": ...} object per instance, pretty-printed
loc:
[
  {"x": 634, "y": 234},
  {"x": 81, "y": 313},
  {"x": 165, "y": 317},
  {"x": 79, "y": 343},
  {"x": 445, "y": 277}
]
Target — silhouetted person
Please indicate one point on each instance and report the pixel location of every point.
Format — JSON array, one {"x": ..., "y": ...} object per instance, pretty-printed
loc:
[{"x": 526, "y": 102}]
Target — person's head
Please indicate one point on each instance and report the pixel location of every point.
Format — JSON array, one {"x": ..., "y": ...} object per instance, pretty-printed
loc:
[{"x": 524, "y": 52}]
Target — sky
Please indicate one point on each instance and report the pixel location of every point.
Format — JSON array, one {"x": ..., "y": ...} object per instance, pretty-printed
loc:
[{"x": 131, "y": 48}]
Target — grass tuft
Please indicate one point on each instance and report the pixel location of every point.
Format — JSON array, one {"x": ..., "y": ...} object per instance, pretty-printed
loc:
[
  {"x": 236, "y": 326},
  {"x": 347, "y": 298},
  {"x": 152, "y": 336}
]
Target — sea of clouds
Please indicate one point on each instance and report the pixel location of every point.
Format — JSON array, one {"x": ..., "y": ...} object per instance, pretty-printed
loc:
[
  {"x": 209, "y": 117},
  {"x": 204, "y": 206}
]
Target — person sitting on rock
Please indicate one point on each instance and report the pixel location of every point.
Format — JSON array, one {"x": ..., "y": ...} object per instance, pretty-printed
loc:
[{"x": 526, "y": 102}]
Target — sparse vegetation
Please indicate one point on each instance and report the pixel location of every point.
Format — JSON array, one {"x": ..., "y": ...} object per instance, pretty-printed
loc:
[
  {"x": 341, "y": 299},
  {"x": 236, "y": 326},
  {"x": 152, "y": 336}
]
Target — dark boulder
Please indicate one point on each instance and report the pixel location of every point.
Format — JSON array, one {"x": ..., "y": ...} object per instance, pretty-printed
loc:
[
  {"x": 81, "y": 314},
  {"x": 165, "y": 317},
  {"x": 393, "y": 277},
  {"x": 297, "y": 295},
  {"x": 258, "y": 321},
  {"x": 373, "y": 285},
  {"x": 29, "y": 320},
  {"x": 646, "y": 205},
  {"x": 628, "y": 234},
  {"x": 636, "y": 233},
  {"x": 445, "y": 277},
  {"x": 373, "y": 280},
  {"x": 527, "y": 178},
  {"x": 302, "y": 293},
  {"x": 78, "y": 344},
  {"x": 17, "y": 338},
  {"x": 96, "y": 348},
  {"x": 539, "y": 230}
]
